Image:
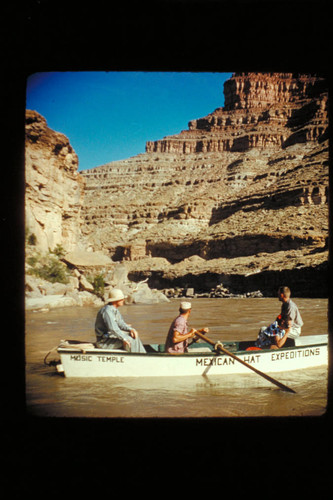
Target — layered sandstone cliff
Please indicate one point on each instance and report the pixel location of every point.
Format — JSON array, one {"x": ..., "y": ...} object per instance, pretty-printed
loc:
[
  {"x": 240, "y": 198},
  {"x": 244, "y": 190},
  {"x": 54, "y": 188},
  {"x": 267, "y": 111}
]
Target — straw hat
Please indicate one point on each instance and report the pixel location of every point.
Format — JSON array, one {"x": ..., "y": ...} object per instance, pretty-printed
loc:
[{"x": 115, "y": 295}]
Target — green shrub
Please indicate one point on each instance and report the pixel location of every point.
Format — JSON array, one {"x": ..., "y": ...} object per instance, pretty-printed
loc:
[
  {"x": 52, "y": 270},
  {"x": 58, "y": 251},
  {"x": 33, "y": 260},
  {"x": 98, "y": 284}
]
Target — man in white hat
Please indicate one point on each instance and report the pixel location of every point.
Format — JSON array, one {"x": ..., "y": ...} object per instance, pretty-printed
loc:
[
  {"x": 111, "y": 330},
  {"x": 178, "y": 335}
]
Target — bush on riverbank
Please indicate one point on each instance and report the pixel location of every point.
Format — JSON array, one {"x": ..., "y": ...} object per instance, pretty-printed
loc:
[
  {"x": 98, "y": 283},
  {"x": 49, "y": 268},
  {"x": 48, "y": 265}
]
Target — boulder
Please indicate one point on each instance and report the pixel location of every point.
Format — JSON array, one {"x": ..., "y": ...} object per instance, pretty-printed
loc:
[
  {"x": 144, "y": 295},
  {"x": 81, "y": 258},
  {"x": 85, "y": 285},
  {"x": 48, "y": 302},
  {"x": 120, "y": 273}
]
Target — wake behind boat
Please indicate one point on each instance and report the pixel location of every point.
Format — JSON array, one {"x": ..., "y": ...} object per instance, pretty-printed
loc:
[{"x": 82, "y": 359}]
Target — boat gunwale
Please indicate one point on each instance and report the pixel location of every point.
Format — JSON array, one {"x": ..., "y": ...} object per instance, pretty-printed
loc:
[{"x": 98, "y": 351}]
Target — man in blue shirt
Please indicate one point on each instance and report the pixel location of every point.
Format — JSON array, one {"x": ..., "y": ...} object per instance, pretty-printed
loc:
[{"x": 111, "y": 330}]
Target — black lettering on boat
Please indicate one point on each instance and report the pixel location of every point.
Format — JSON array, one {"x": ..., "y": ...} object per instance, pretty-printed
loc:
[
  {"x": 300, "y": 353},
  {"x": 254, "y": 358},
  {"x": 220, "y": 361},
  {"x": 110, "y": 359},
  {"x": 80, "y": 357}
]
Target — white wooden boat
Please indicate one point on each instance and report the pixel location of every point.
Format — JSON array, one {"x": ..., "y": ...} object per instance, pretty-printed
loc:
[{"x": 78, "y": 359}]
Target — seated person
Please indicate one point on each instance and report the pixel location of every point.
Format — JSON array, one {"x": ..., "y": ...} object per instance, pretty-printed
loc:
[
  {"x": 111, "y": 330},
  {"x": 273, "y": 336},
  {"x": 177, "y": 340},
  {"x": 290, "y": 313}
]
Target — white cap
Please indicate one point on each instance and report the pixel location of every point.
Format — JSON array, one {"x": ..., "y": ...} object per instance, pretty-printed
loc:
[
  {"x": 185, "y": 305},
  {"x": 115, "y": 295}
]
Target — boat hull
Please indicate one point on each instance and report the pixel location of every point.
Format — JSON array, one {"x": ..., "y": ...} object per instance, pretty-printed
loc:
[{"x": 84, "y": 362}]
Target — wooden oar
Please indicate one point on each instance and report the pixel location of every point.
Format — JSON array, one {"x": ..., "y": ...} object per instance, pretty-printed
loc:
[{"x": 221, "y": 348}]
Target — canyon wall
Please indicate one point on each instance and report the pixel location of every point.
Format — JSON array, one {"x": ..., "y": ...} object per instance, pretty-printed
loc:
[
  {"x": 243, "y": 191},
  {"x": 239, "y": 198},
  {"x": 54, "y": 188}
]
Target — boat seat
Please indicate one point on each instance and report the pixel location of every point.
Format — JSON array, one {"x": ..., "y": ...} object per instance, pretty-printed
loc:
[
  {"x": 77, "y": 344},
  {"x": 199, "y": 350}
]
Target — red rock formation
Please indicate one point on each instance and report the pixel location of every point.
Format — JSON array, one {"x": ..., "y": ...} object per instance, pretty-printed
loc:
[
  {"x": 262, "y": 110},
  {"x": 244, "y": 190}
]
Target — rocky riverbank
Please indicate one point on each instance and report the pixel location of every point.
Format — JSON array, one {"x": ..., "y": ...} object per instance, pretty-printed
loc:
[
  {"x": 219, "y": 292},
  {"x": 86, "y": 278},
  {"x": 78, "y": 272},
  {"x": 41, "y": 295}
]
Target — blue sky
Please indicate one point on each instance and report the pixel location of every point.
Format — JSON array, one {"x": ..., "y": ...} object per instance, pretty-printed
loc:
[{"x": 109, "y": 116}]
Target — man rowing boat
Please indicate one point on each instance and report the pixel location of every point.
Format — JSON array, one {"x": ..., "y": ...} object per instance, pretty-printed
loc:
[{"x": 178, "y": 334}]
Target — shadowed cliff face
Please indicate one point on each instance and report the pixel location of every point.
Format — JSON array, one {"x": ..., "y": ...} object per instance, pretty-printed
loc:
[{"x": 244, "y": 189}]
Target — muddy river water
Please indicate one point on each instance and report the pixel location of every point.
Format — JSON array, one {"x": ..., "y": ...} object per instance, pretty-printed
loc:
[{"x": 49, "y": 394}]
